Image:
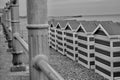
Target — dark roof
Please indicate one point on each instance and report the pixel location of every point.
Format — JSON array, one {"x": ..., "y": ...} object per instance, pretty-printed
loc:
[
  {"x": 62, "y": 23},
  {"x": 111, "y": 27},
  {"x": 74, "y": 24},
  {"x": 54, "y": 22},
  {"x": 89, "y": 26}
]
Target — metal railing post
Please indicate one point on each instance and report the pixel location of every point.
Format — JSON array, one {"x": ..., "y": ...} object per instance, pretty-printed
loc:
[
  {"x": 2, "y": 17},
  {"x": 37, "y": 34},
  {"x": 8, "y": 26},
  {"x": 4, "y": 22},
  {"x": 9, "y": 16},
  {"x": 17, "y": 53}
]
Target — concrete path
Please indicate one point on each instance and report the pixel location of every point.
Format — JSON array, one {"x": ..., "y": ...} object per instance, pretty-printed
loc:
[{"x": 5, "y": 58}]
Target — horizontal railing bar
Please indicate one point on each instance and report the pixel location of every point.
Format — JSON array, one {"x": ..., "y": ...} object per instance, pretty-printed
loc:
[
  {"x": 41, "y": 64},
  {"x": 22, "y": 42}
]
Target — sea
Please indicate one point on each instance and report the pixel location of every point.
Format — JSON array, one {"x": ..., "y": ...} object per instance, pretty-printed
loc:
[{"x": 114, "y": 18}]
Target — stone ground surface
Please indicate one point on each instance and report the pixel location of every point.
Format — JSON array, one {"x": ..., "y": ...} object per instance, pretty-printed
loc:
[
  {"x": 69, "y": 69},
  {"x": 6, "y": 63},
  {"x": 5, "y": 58}
]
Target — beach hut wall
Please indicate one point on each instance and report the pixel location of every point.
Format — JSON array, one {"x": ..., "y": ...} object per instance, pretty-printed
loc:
[
  {"x": 86, "y": 43},
  {"x": 52, "y": 32},
  {"x": 107, "y": 50},
  {"x": 71, "y": 39},
  {"x": 60, "y": 36}
]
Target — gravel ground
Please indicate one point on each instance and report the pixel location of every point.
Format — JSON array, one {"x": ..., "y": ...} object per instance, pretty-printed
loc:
[{"x": 71, "y": 70}]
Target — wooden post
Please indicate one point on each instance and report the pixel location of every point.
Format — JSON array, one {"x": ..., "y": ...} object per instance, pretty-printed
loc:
[
  {"x": 17, "y": 53},
  {"x": 37, "y": 33}
]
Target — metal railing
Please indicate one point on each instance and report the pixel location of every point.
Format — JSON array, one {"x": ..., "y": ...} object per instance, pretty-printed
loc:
[
  {"x": 40, "y": 63},
  {"x": 21, "y": 41}
]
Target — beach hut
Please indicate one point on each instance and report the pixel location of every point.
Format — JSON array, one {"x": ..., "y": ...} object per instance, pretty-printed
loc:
[
  {"x": 86, "y": 43},
  {"x": 52, "y": 34},
  {"x": 60, "y": 36},
  {"x": 107, "y": 50},
  {"x": 71, "y": 39}
]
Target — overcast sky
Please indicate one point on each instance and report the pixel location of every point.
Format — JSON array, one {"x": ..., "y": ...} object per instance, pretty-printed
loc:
[{"x": 79, "y": 7}]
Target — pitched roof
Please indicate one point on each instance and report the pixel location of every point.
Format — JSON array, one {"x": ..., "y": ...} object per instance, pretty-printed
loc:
[
  {"x": 62, "y": 23},
  {"x": 52, "y": 21},
  {"x": 89, "y": 26},
  {"x": 73, "y": 24},
  {"x": 111, "y": 27}
]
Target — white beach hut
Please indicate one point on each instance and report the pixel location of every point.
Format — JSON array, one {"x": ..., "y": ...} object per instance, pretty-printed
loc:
[
  {"x": 60, "y": 36},
  {"x": 52, "y": 34},
  {"x": 86, "y": 43},
  {"x": 107, "y": 50},
  {"x": 71, "y": 39}
]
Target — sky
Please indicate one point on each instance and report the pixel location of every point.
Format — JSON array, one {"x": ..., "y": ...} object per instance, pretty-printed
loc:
[{"x": 77, "y": 7}]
